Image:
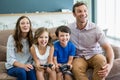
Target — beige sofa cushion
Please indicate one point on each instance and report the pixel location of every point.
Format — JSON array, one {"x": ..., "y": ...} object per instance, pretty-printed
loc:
[
  {"x": 2, "y": 53},
  {"x": 2, "y": 67},
  {"x": 115, "y": 71},
  {"x": 116, "y": 50},
  {"x": 4, "y": 36},
  {"x": 3, "y": 74}
]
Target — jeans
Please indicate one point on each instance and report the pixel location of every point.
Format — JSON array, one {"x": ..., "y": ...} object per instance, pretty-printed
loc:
[
  {"x": 80, "y": 66},
  {"x": 22, "y": 74}
]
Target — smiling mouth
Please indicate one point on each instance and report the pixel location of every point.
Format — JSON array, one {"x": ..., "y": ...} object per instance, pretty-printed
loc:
[
  {"x": 43, "y": 43},
  {"x": 25, "y": 28}
]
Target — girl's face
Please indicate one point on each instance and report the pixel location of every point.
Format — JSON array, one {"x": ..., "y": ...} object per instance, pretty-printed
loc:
[
  {"x": 25, "y": 25},
  {"x": 63, "y": 38},
  {"x": 43, "y": 39}
]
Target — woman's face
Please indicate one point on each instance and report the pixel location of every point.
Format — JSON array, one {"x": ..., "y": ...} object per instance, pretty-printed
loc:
[
  {"x": 43, "y": 39},
  {"x": 25, "y": 25}
]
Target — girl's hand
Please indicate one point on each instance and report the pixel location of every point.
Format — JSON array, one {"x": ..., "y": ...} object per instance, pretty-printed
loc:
[
  {"x": 39, "y": 67},
  {"x": 57, "y": 65},
  {"x": 53, "y": 67}
]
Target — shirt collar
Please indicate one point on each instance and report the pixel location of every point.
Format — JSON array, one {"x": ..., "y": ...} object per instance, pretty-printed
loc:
[{"x": 88, "y": 26}]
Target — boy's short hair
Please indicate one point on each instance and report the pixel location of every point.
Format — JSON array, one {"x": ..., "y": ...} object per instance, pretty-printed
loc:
[{"x": 62, "y": 28}]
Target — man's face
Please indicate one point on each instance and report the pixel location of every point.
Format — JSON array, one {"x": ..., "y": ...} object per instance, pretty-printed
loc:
[{"x": 81, "y": 13}]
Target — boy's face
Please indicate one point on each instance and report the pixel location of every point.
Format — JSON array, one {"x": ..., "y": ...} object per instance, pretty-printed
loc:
[{"x": 63, "y": 38}]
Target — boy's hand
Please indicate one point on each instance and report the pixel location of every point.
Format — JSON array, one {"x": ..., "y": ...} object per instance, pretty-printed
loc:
[
  {"x": 57, "y": 67},
  {"x": 70, "y": 65}
]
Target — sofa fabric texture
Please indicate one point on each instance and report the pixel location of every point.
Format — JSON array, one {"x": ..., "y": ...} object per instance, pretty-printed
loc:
[{"x": 113, "y": 75}]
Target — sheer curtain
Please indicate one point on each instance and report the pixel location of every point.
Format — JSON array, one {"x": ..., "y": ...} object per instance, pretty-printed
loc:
[{"x": 108, "y": 15}]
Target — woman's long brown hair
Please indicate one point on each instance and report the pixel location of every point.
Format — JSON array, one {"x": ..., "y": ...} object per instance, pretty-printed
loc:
[{"x": 18, "y": 37}]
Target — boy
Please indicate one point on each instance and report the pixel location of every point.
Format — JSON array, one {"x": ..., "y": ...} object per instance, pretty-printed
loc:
[{"x": 63, "y": 53}]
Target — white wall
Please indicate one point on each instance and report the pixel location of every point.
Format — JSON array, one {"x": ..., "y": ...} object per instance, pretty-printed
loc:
[{"x": 8, "y": 21}]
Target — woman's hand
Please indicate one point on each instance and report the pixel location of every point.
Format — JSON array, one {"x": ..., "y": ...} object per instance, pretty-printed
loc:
[{"x": 27, "y": 67}]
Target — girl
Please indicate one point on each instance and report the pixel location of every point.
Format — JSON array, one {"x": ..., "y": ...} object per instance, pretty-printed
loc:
[{"x": 42, "y": 52}]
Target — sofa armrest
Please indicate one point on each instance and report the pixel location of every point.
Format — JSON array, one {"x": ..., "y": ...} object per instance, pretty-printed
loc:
[
  {"x": 116, "y": 50},
  {"x": 2, "y": 67},
  {"x": 115, "y": 71},
  {"x": 2, "y": 53}
]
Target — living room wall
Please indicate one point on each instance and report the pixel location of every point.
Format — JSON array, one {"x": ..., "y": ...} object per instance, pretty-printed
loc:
[{"x": 31, "y": 6}]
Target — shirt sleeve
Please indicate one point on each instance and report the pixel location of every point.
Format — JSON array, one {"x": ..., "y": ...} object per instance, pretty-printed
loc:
[
  {"x": 101, "y": 37},
  {"x": 11, "y": 50},
  {"x": 55, "y": 51},
  {"x": 72, "y": 50}
]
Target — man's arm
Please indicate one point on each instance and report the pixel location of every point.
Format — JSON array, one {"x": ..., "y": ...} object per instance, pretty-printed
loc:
[{"x": 110, "y": 58}]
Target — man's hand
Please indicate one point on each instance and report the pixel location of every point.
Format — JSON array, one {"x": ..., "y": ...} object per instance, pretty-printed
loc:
[{"x": 105, "y": 70}]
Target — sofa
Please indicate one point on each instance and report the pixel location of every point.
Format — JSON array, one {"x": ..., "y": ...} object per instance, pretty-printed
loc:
[{"x": 113, "y": 75}]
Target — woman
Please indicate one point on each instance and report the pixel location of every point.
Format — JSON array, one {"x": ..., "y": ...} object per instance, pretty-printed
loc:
[{"x": 18, "y": 55}]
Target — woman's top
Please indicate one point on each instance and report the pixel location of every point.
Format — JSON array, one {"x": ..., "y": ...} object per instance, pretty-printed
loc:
[
  {"x": 12, "y": 54},
  {"x": 43, "y": 58}
]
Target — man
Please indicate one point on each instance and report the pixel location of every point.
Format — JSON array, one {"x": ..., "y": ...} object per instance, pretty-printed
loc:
[{"x": 89, "y": 39}]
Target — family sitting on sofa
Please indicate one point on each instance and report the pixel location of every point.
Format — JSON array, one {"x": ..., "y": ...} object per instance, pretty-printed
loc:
[{"x": 79, "y": 47}]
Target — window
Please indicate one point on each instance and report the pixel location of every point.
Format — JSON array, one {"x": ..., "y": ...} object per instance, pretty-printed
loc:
[{"x": 108, "y": 17}]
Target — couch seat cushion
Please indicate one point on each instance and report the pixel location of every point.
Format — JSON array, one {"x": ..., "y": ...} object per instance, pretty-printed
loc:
[
  {"x": 2, "y": 53},
  {"x": 115, "y": 71},
  {"x": 5, "y": 76}
]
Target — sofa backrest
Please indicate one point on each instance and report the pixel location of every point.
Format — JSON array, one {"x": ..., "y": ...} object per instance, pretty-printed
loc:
[
  {"x": 5, "y": 34},
  {"x": 3, "y": 42},
  {"x": 4, "y": 37}
]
